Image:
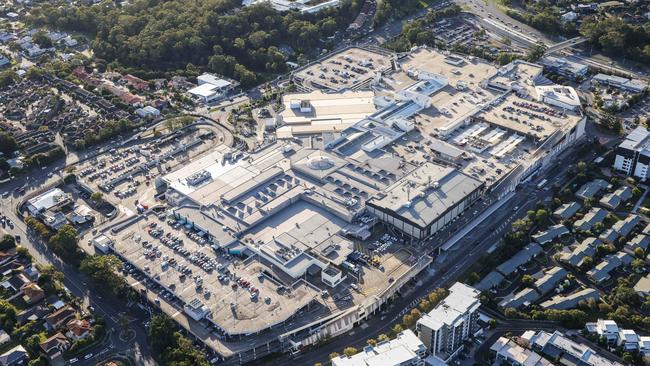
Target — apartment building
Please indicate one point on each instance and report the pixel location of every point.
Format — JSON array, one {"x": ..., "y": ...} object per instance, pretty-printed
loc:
[{"x": 444, "y": 329}]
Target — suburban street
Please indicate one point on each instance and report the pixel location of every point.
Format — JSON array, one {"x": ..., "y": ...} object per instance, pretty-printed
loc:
[{"x": 104, "y": 304}]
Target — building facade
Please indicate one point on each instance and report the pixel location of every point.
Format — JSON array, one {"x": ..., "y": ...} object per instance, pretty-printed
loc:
[{"x": 444, "y": 329}]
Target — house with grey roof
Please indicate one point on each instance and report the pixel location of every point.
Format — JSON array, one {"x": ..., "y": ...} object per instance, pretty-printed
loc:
[
  {"x": 602, "y": 271},
  {"x": 15, "y": 356},
  {"x": 561, "y": 302},
  {"x": 525, "y": 297},
  {"x": 639, "y": 241},
  {"x": 646, "y": 230},
  {"x": 567, "y": 352},
  {"x": 614, "y": 199},
  {"x": 522, "y": 257},
  {"x": 552, "y": 233},
  {"x": 609, "y": 236},
  {"x": 585, "y": 249},
  {"x": 591, "y": 218},
  {"x": 624, "y": 227},
  {"x": 551, "y": 278},
  {"x": 567, "y": 210},
  {"x": 492, "y": 280},
  {"x": 591, "y": 189}
]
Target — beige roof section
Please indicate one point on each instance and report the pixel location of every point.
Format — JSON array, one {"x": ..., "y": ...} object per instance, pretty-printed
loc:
[{"x": 329, "y": 111}]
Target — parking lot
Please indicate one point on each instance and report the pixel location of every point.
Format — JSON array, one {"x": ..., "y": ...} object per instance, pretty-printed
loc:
[
  {"x": 126, "y": 174},
  {"x": 343, "y": 70},
  {"x": 240, "y": 297}
]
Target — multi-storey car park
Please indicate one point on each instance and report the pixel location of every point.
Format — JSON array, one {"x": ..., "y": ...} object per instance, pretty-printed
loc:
[{"x": 309, "y": 235}]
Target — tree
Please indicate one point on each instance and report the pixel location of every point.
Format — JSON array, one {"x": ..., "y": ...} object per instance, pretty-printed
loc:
[
  {"x": 33, "y": 344},
  {"x": 371, "y": 342},
  {"x": 39, "y": 361},
  {"x": 408, "y": 320},
  {"x": 639, "y": 253},
  {"x": 536, "y": 52},
  {"x": 64, "y": 244},
  {"x": 397, "y": 328},
  {"x": 41, "y": 39},
  {"x": 527, "y": 280},
  {"x": 333, "y": 355},
  {"x": 7, "y": 143},
  {"x": 161, "y": 333},
  {"x": 637, "y": 264},
  {"x": 382, "y": 337},
  {"x": 7, "y": 242},
  {"x": 587, "y": 262},
  {"x": 7, "y": 315},
  {"x": 104, "y": 269},
  {"x": 7, "y": 77},
  {"x": 350, "y": 351},
  {"x": 50, "y": 278},
  {"x": 492, "y": 323},
  {"x": 97, "y": 197},
  {"x": 541, "y": 216}
]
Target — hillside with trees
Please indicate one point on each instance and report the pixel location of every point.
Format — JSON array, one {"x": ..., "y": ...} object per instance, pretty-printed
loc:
[{"x": 154, "y": 37}]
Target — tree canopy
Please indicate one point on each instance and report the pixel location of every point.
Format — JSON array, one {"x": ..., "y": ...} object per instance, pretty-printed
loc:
[
  {"x": 64, "y": 243},
  {"x": 613, "y": 35},
  {"x": 213, "y": 35},
  {"x": 170, "y": 346}
]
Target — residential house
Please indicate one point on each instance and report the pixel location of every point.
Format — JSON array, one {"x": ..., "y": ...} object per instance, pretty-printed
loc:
[
  {"x": 609, "y": 236},
  {"x": 507, "y": 352},
  {"x": 628, "y": 339},
  {"x": 625, "y": 227},
  {"x": 525, "y": 297},
  {"x": 492, "y": 280},
  {"x": 550, "y": 279},
  {"x": 32, "y": 293},
  {"x": 567, "y": 210},
  {"x": 60, "y": 318},
  {"x": 585, "y": 249},
  {"x": 568, "y": 352},
  {"x": 605, "y": 328},
  {"x": 591, "y": 189},
  {"x": 54, "y": 346},
  {"x": 135, "y": 82},
  {"x": 644, "y": 346},
  {"x": 552, "y": 233},
  {"x": 614, "y": 199},
  {"x": 602, "y": 271},
  {"x": 15, "y": 282},
  {"x": 639, "y": 241},
  {"x": 520, "y": 258},
  {"x": 15, "y": 356},
  {"x": 34, "y": 313},
  {"x": 78, "y": 329},
  {"x": 562, "y": 302},
  {"x": 591, "y": 218},
  {"x": 4, "y": 337}
]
